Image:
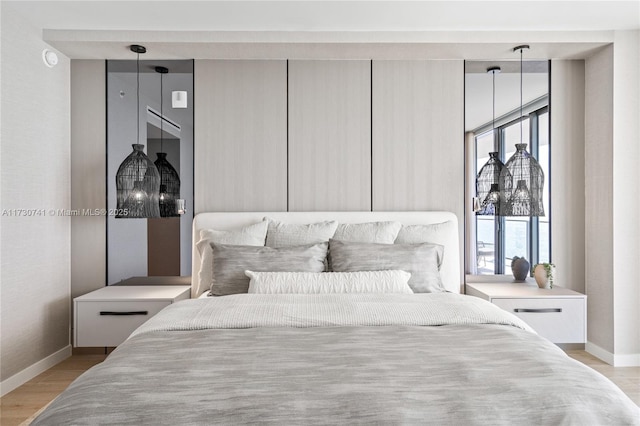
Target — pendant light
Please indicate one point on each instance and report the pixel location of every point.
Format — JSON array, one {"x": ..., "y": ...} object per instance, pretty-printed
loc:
[
  {"x": 169, "y": 179},
  {"x": 522, "y": 190},
  {"x": 137, "y": 179},
  {"x": 488, "y": 179}
]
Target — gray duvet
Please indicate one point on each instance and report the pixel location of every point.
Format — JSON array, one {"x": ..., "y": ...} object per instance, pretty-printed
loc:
[{"x": 339, "y": 359}]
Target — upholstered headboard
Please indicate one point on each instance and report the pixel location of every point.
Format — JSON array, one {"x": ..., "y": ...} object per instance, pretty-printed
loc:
[{"x": 450, "y": 269}]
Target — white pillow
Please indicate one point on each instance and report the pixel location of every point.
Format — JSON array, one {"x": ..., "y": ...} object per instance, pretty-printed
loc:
[
  {"x": 370, "y": 232},
  {"x": 292, "y": 234},
  {"x": 251, "y": 235},
  {"x": 394, "y": 281},
  {"x": 435, "y": 233}
]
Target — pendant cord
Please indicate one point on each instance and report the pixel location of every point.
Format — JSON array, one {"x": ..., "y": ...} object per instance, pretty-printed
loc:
[
  {"x": 138, "y": 105},
  {"x": 493, "y": 123},
  {"x": 521, "y": 115},
  {"x": 161, "y": 114},
  {"x": 138, "y": 94}
]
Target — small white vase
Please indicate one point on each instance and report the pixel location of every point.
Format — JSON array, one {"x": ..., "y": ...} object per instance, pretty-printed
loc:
[{"x": 540, "y": 274}]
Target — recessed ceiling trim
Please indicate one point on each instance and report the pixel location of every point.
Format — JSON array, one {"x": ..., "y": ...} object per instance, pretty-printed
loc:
[{"x": 326, "y": 45}]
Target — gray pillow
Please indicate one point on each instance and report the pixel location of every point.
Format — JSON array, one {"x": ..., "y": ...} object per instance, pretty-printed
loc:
[
  {"x": 230, "y": 262},
  {"x": 421, "y": 260}
]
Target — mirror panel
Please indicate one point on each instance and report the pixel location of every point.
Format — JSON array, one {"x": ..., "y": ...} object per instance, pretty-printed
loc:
[
  {"x": 154, "y": 246},
  {"x": 492, "y": 242}
]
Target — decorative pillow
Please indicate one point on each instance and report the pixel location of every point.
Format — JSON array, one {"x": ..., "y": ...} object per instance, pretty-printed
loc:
[
  {"x": 252, "y": 235},
  {"x": 436, "y": 233},
  {"x": 370, "y": 232},
  {"x": 329, "y": 282},
  {"x": 290, "y": 234},
  {"x": 421, "y": 260},
  {"x": 230, "y": 262}
]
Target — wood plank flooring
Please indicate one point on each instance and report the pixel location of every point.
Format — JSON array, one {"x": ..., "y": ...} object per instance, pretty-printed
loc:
[
  {"x": 626, "y": 378},
  {"x": 23, "y": 403}
]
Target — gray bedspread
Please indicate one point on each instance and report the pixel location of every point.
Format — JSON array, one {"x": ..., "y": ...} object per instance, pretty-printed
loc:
[{"x": 195, "y": 363}]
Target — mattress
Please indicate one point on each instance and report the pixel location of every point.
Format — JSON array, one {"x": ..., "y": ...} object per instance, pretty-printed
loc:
[{"x": 443, "y": 359}]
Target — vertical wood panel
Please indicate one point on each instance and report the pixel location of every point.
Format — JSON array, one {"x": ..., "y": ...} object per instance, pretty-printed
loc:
[
  {"x": 163, "y": 242},
  {"x": 568, "y": 174},
  {"x": 88, "y": 175},
  {"x": 329, "y": 135},
  {"x": 240, "y": 135},
  {"x": 418, "y": 136}
]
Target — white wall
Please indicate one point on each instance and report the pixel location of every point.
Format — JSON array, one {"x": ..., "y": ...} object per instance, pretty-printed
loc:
[{"x": 35, "y": 174}]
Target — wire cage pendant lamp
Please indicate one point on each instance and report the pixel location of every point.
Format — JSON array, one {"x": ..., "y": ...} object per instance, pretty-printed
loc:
[
  {"x": 488, "y": 179},
  {"x": 137, "y": 179},
  {"x": 169, "y": 179},
  {"x": 522, "y": 178}
]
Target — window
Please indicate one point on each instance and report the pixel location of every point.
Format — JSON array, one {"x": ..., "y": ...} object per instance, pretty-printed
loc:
[{"x": 499, "y": 239}]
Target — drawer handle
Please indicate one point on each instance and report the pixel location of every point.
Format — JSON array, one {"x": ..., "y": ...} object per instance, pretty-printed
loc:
[
  {"x": 124, "y": 313},
  {"x": 538, "y": 311}
]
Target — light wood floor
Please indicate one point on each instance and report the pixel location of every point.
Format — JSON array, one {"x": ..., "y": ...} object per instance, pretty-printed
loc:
[{"x": 23, "y": 403}]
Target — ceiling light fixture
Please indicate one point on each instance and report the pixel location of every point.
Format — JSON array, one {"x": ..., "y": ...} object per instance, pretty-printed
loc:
[
  {"x": 522, "y": 189},
  {"x": 137, "y": 179},
  {"x": 488, "y": 179}
]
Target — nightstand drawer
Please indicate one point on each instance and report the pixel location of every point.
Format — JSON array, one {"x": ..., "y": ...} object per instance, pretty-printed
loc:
[
  {"x": 560, "y": 320},
  {"x": 109, "y": 323}
]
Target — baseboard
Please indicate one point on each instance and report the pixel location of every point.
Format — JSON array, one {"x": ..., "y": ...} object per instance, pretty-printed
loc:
[
  {"x": 32, "y": 371},
  {"x": 626, "y": 360}
]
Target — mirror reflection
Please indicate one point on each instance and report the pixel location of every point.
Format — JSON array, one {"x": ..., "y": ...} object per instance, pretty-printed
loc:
[
  {"x": 503, "y": 109},
  {"x": 141, "y": 109}
]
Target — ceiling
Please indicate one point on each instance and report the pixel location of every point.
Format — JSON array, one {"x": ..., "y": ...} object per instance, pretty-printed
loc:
[
  {"x": 357, "y": 29},
  {"x": 359, "y": 15},
  {"x": 301, "y": 29}
]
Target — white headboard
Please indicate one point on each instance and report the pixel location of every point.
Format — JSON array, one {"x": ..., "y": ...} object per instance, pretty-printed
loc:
[{"x": 224, "y": 221}]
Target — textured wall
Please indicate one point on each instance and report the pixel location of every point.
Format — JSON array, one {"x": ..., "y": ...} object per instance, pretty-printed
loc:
[
  {"x": 612, "y": 199},
  {"x": 626, "y": 190},
  {"x": 35, "y": 174},
  {"x": 599, "y": 198}
]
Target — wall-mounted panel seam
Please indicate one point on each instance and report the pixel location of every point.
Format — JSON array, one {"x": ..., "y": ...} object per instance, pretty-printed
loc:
[
  {"x": 106, "y": 170},
  {"x": 371, "y": 128},
  {"x": 287, "y": 113}
]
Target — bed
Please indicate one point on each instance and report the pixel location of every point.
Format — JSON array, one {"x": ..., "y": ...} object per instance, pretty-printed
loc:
[{"x": 297, "y": 345}]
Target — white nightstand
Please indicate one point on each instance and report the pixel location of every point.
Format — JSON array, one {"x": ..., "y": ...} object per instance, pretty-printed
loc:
[
  {"x": 106, "y": 317},
  {"x": 559, "y": 314}
]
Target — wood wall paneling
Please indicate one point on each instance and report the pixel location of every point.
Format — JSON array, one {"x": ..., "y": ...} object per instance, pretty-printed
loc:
[
  {"x": 329, "y": 135},
  {"x": 418, "y": 136},
  {"x": 88, "y": 171},
  {"x": 567, "y": 180},
  {"x": 240, "y": 135}
]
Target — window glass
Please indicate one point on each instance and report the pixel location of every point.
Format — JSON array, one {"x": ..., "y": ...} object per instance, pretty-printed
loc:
[
  {"x": 485, "y": 225},
  {"x": 516, "y": 229}
]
